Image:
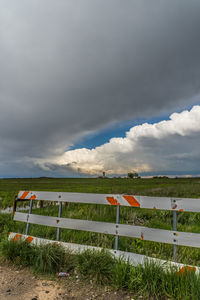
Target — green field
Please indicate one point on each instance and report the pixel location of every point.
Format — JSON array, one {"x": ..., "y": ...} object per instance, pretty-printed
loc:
[
  {"x": 150, "y": 187},
  {"x": 177, "y": 187}
]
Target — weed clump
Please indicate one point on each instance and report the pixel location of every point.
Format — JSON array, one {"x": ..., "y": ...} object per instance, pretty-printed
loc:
[
  {"x": 96, "y": 265},
  {"x": 49, "y": 259},
  {"x": 43, "y": 259},
  {"x": 18, "y": 252}
]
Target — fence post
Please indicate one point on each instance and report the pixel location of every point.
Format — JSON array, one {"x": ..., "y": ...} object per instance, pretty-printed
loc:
[
  {"x": 59, "y": 216},
  {"x": 15, "y": 204},
  {"x": 117, "y": 222},
  {"x": 30, "y": 211},
  {"x": 175, "y": 229}
]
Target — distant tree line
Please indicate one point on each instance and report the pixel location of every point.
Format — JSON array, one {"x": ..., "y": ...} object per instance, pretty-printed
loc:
[{"x": 133, "y": 175}]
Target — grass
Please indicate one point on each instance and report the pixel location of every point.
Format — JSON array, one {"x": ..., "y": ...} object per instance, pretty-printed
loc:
[
  {"x": 134, "y": 216},
  {"x": 149, "y": 280},
  {"x": 176, "y": 187},
  {"x": 96, "y": 266}
]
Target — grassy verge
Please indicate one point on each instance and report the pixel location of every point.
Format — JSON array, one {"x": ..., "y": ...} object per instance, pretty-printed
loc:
[{"x": 102, "y": 268}]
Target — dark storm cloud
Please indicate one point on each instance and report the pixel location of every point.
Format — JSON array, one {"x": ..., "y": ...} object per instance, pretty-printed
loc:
[{"x": 70, "y": 67}]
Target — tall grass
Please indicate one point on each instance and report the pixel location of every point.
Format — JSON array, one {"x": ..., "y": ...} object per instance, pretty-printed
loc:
[
  {"x": 148, "y": 280},
  {"x": 96, "y": 265},
  {"x": 18, "y": 252}
]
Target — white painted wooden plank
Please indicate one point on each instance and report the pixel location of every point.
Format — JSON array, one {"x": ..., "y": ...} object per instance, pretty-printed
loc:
[
  {"x": 165, "y": 203},
  {"x": 188, "y": 204},
  {"x": 23, "y": 217},
  {"x": 144, "y": 233},
  {"x": 188, "y": 239},
  {"x": 156, "y": 202},
  {"x": 71, "y": 197},
  {"x": 76, "y": 224}
]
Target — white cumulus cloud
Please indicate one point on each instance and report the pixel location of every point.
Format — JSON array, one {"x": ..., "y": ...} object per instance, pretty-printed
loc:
[{"x": 170, "y": 145}]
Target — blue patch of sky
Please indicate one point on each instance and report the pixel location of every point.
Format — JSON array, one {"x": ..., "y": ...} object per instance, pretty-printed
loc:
[{"x": 119, "y": 130}]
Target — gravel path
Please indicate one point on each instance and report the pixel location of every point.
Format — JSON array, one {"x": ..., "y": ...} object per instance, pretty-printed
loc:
[{"x": 20, "y": 284}]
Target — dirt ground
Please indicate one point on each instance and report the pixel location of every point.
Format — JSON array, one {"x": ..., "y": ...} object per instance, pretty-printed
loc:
[{"x": 20, "y": 284}]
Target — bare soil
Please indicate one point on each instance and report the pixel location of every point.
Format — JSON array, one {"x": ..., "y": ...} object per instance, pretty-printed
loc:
[{"x": 20, "y": 284}]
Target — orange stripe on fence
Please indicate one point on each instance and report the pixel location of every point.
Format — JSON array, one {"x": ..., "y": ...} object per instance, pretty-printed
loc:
[
  {"x": 132, "y": 201},
  {"x": 112, "y": 201},
  {"x": 186, "y": 269},
  {"x": 33, "y": 197},
  {"x": 24, "y": 195},
  {"x": 17, "y": 237},
  {"x": 29, "y": 239}
]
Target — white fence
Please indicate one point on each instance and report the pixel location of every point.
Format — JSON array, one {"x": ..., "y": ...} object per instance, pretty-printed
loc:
[{"x": 144, "y": 233}]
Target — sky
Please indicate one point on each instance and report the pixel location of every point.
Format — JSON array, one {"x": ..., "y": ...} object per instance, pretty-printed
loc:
[{"x": 92, "y": 86}]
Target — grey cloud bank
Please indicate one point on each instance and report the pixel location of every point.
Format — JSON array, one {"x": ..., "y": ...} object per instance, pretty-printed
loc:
[{"x": 69, "y": 68}]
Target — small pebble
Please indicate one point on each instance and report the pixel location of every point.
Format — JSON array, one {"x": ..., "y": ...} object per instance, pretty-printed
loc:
[{"x": 44, "y": 284}]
